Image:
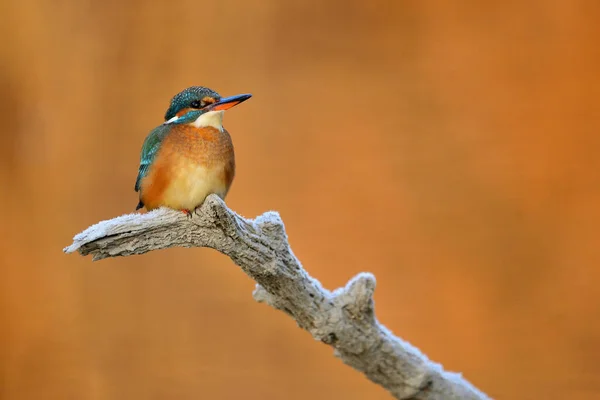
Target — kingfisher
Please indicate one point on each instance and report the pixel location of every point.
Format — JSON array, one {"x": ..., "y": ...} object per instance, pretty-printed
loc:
[{"x": 190, "y": 155}]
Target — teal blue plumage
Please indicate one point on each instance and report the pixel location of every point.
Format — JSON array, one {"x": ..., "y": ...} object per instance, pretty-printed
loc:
[
  {"x": 185, "y": 108},
  {"x": 156, "y": 136},
  {"x": 154, "y": 140},
  {"x": 187, "y": 97},
  {"x": 152, "y": 145},
  {"x": 149, "y": 149}
]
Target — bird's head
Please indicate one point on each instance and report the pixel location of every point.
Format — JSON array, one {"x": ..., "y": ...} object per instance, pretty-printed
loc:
[{"x": 201, "y": 106}]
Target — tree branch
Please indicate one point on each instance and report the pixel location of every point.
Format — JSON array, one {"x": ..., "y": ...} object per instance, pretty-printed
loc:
[{"x": 344, "y": 319}]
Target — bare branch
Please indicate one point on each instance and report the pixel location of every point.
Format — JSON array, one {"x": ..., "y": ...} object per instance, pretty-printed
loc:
[{"x": 344, "y": 319}]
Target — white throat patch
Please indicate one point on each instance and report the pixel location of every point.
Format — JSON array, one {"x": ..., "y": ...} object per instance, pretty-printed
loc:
[
  {"x": 212, "y": 118},
  {"x": 175, "y": 118}
]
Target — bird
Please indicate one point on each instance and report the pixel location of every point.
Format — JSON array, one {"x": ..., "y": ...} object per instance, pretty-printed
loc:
[{"x": 190, "y": 155}]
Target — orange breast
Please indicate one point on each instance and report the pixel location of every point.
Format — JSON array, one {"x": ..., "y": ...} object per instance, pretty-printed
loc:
[{"x": 190, "y": 164}]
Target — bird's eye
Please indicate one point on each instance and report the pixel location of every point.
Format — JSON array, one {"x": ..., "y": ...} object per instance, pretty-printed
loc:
[{"x": 195, "y": 104}]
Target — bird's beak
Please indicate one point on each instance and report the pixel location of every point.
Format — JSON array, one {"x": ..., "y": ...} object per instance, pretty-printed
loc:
[{"x": 227, "y": 102}]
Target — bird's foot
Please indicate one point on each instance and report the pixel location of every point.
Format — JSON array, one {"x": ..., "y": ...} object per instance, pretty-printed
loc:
[
  {"x": 188, "y": 213},
  {"x": 195, "y": 210}
]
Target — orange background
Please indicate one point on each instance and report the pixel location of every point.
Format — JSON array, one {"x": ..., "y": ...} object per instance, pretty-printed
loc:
[{"x": 451, "y": 148}]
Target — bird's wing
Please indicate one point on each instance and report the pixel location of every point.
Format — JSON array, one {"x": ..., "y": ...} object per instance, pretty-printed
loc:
[{"x": 149, "y": 150}]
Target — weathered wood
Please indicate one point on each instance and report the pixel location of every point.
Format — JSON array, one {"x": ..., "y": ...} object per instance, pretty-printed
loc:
[{"x": 344, "y": 319}]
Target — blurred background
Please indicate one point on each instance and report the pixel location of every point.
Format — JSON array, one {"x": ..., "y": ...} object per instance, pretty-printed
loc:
[{"x": 451, "y": 148}]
